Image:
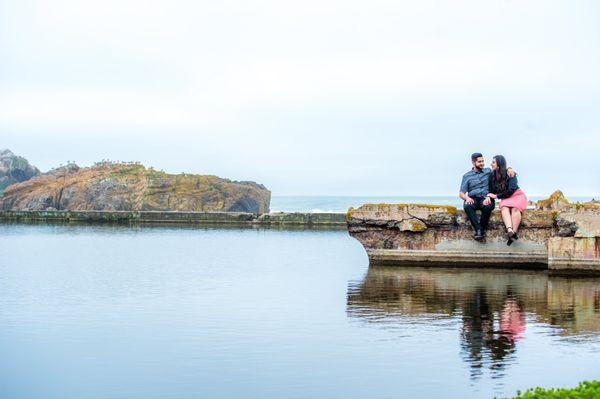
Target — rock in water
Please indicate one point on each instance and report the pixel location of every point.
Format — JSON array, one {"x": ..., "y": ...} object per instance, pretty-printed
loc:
[
  {"x": 14, "y": 169},
  {"x": 132, "y": 187}
]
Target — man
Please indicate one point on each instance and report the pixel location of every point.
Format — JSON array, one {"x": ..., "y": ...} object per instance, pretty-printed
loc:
[{"x": 473, "y": 190}]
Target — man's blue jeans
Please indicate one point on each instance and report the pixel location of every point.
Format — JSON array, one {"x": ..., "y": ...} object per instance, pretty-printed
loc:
[{"x": 486, "y": 212}]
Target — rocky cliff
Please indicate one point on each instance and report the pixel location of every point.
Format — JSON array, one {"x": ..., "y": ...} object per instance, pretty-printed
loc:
[
  {"x": 133, "y": 187},
  {"x": 14, "y": 169}
]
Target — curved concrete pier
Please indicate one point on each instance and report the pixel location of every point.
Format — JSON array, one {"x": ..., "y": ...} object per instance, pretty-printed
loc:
[{"x": 564, "y": 241}]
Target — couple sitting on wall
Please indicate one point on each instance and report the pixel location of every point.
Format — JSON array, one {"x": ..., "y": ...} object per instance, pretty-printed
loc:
[{"x": 480, "y": 188}]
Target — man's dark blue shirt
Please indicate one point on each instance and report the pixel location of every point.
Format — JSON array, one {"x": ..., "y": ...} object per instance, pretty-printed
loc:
[{"x": 476, "y": 183}]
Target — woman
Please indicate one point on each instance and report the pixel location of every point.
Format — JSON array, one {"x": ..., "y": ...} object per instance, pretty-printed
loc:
[{"x": 512, "y": 199}]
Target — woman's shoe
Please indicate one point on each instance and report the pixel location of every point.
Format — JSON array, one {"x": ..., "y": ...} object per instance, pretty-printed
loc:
[
  {"x": 515, "y": 236},
  {"x": 510, "y": 234}
]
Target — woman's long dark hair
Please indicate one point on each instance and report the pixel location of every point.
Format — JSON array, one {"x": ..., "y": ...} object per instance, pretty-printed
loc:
[{"x": 499, "y": 180}]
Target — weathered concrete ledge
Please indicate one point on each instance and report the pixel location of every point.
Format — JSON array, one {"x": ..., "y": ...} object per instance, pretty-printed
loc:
[
  {"x": 174, "y": 217},
  {"x": 564, "y": 240}
]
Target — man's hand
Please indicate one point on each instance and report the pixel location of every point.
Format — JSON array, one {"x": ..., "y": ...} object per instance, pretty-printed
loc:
[
  {"x": 487, "y": 201},
  {"x": 469, "y": 201},
  {"x": 511, "y": 172}
]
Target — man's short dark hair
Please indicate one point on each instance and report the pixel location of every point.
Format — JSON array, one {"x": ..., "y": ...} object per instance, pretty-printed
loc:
[{"x": 475, "y": 155}]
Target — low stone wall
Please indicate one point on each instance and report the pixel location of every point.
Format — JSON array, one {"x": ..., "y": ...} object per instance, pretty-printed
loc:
[
  {"x": 234, "y": 218},
  {"x": 563, "y": 241},
  {"x": 302, "y": 218}
]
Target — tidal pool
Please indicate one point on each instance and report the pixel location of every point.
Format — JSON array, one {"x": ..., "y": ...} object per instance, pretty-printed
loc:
[{"x": 164, "y": 312}]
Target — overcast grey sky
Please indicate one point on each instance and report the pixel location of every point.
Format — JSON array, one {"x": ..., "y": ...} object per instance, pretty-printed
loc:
[{"x": 311, "y": 97}]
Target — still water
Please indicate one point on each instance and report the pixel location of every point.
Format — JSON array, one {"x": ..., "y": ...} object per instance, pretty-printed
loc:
[{"x": 161, "y": 312}]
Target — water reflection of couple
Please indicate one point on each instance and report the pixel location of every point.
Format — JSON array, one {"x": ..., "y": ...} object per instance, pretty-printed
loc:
[
  {"x": 490, "y": 307},
  {"x": 479, "y": 335},
  {"x": 481, "y": 186}
]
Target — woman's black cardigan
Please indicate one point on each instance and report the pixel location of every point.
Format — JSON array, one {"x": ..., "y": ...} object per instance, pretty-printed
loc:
[{"x": 511, "y": 186}]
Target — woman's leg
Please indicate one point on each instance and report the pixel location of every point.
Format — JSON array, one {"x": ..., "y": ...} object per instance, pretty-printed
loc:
[
  {"x": 506, "y": 218},
  {"x": 516, "y": 217}
]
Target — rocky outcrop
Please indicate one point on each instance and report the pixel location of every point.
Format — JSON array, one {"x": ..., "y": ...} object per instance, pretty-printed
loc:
[
  {"x": 556, "y": 201},
  {"x": 14, "y": 169},
  {"x": 132, "y": 187},
  {"x": 557, "y": 235}
]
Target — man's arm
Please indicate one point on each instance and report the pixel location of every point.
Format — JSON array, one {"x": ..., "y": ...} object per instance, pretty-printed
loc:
[
  {"x": 465, "y": 197},
  {"x": 463, "y": 194}
]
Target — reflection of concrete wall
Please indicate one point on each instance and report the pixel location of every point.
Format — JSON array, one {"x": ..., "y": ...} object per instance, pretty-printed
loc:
[
  {"x": 573, "y": 304},
  {"x": 441, "y": 235},
  {"x": 419, "y": 291},
  {"x": 388, "y": 293}
]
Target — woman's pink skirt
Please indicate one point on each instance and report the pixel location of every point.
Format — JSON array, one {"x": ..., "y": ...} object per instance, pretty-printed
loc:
[{"x": 516, "y": 200}]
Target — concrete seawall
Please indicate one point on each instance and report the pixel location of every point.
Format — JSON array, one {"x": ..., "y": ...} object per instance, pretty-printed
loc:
[
  {"x": 331, "y": 220},
  {"x": 563, "y": 241}
]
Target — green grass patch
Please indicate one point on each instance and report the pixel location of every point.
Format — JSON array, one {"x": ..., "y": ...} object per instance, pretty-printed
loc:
[{"x": 585, "y": 390}]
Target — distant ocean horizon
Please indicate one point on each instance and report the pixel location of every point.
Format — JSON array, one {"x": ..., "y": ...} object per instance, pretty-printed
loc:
[{"x": 331, "y": 203}]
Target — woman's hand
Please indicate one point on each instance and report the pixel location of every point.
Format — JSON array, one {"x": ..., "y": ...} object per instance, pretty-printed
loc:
[{"x": 492, "y": 195}]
